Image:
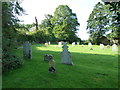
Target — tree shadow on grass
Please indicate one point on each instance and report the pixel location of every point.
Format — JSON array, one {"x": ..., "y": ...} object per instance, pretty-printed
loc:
[{"x": 88, "y": 71}]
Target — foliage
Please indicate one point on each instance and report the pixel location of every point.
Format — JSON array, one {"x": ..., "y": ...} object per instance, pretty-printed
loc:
[
  {"x": 104, "y": 19},
  {"x": 10, "y": 12},
  {"x": 115, "y": 20},
  {"x": 65, "y": 23},
  {"x": 98, "y": 22}
]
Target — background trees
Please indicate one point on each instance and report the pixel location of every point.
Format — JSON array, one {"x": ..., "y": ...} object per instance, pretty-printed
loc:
[
  {"x": 10, "y": 12},
  {"x": 103, "y": 22},
  {"x": 65, "y": 23},
  {"x": 61, "y": 26}
]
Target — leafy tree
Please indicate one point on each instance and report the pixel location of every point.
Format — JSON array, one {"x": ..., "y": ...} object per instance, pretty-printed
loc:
[
  {"x": 10, "y": 13},
  {"x": 104, "y": 18},
  {"x": 114, "y": 25},
  {"x": 65, "y": 23},
  {"x": 98, "y": 22}
]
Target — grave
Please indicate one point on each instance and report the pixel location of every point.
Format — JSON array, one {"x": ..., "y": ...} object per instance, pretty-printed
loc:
[
  {"x": 90, "y": 44},
  {"x": 108, "y": 46},
  {"x": 66, "y": 55},
  {"x": 27, "y": 50},
  {"x": 101, "y": 46},
  {"x": 114, "y": 47},
  {"x": 60, "y": 44},
  {"x": 78, "y": 43},
  {"x": 46, "y": 44},
  {"x": 49, "y": 43},
  {"x": 73, "y": 44}
]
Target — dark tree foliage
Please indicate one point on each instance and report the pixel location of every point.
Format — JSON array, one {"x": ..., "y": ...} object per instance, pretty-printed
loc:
[{"x": 10, "y": 13}]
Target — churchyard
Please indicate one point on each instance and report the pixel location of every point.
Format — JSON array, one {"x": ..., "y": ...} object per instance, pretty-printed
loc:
[{"x": 92, "y": 68}]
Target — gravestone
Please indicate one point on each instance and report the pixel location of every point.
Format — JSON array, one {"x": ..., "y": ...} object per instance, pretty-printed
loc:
[
  {"x": 73, "y": 44},
  {"x": 89, "y": 44},
  {"x": 108, "y": 46},
  {"x": 60, "y": 44},
  {"x": 49, "y": 42},
  {"x": 101, "y": 46},
  {"x": 78, "y": 43},
  {"x": 47, "y": 57},
  {"x": 82, "y": 45},
  {"x": 27, "y": 50},
  {"x": 46, "y": 44},
  {"x": 114, "y": 47},
  {"x": 66, "y": 55}
]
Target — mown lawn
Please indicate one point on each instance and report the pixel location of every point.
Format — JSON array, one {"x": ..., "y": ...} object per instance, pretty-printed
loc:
[{"x": 92, "y": 69}]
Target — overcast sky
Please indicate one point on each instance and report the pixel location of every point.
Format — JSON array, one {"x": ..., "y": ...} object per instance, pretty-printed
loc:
[{"x": 39, "y": 8}]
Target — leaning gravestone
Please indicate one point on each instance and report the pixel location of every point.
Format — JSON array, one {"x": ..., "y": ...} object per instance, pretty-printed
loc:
[
  {"x": 27, "y": 50},
  {"x": 66, "y": 55},
  {"x": 114, "y": 47}
]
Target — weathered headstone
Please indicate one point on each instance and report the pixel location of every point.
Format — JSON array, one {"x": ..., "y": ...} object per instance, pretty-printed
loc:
[
  {"x": 73, "y": 44},
  {"x": 46, "y": 44},
  {"x": 60, "y": 44},
  {"x": 82, "y": 45},
  {"x": 78, "y": 43},
  {"x": 27, "y": 50},
  {"x": 101, "y": 46},
  {"x": 52, "y": 63},
  {"x": 89, "y": 44},
  {"x": 49, "y": 42},
  {"x": 108, "y": 46},
  {"x": 66, "y": 55},
  {"x": 114, "y": 47}
]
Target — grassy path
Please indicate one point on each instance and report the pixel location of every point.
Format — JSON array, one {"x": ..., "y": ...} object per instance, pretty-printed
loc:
[{"x": 92, "y": 69}]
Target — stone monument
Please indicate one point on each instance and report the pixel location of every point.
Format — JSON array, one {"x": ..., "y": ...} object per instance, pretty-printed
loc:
[
  {"x": 114, "y": 47},
  {"x": 66, "y": 55},
  {"x": 90, "y": 44},
  {"x": 73, "y": 44},
  {"x": 27, "y": 50},
  {"x": 101, "y": 46},
  {"x": 60, "y": 44}
]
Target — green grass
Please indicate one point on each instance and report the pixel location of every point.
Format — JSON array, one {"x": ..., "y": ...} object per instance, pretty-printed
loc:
[{"x": 92, "y": 69}]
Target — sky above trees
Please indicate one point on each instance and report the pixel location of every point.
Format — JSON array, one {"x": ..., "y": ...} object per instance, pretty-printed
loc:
[{"x": 39, "y": 8}]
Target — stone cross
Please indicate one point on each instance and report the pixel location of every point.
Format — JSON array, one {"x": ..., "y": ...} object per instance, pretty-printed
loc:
[
  {"x": 66, "y": 55},
  {"x": 114, "y": 47},
  {"x": 27, "y": 50}
]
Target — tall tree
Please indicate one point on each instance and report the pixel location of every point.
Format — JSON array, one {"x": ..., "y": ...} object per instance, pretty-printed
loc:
[
  {"x": 10, "y": 13},
  {"x": 98, "y": 22},
  {"x": 65, "y": 23},
  {"x": 115, "y": 20}
]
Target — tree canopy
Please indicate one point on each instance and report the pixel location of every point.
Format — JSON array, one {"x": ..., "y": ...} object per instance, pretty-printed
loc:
[{"x": 102, "y": 22}]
